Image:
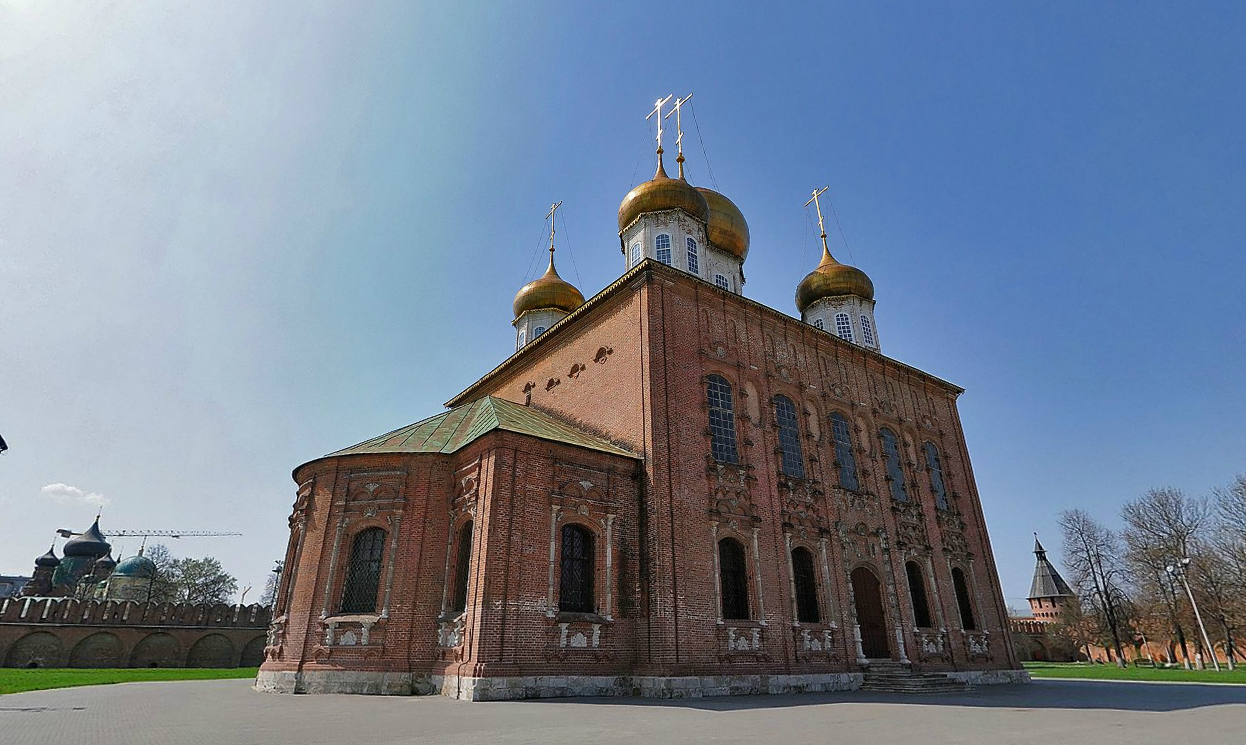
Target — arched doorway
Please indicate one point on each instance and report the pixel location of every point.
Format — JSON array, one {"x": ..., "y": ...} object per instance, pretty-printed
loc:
[{"x": 867, "y": 592}]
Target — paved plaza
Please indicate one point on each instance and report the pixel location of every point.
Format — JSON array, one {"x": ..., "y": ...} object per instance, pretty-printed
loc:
[{"x": 228, "y": 712}]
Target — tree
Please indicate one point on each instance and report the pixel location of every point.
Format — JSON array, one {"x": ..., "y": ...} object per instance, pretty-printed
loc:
[
  {"x": 1161, "y": 528},
  {"x": 1092, "y": 554},
  {"x": 189, "y": 580}
]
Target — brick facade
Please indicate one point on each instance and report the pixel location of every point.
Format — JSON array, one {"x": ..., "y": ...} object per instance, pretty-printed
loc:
[{"x": 631, "y": 366}]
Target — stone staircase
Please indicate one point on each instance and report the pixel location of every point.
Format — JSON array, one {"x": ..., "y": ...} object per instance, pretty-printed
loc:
[{"x": 895, "y": 677}]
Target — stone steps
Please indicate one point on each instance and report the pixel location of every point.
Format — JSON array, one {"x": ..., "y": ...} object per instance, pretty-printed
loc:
[{"x": 897, "y": 678}]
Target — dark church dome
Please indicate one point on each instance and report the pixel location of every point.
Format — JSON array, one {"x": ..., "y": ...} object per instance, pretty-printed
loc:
[
  {"x": 91, "y": 543},
  {"x": 48, "y": 560}
]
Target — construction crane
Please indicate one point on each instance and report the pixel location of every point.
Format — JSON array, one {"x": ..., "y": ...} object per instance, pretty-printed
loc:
[{"x": 154, "y": 533}]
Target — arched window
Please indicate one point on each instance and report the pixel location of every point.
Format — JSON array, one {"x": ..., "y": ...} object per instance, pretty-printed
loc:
[
  {"x": 462, "y": 569},
  {"x": 962, "y": 599},
  {"x": 635, "y": 254},
  {"x": 818, "y": 324},
  {"x": 662, "y": 248},
  {"x": 935, "y": 466},
  {"x": 843, "y": 326},
  {"x": 575, "y": 593},
  {"x": 722, "y": 281},
  {"x": 694, "y": 264},
  {"x": 722, "y": 420},
  {"x": 363, "y": 576},
  {"x": 895, "y": 474},
  {"x": 867, "y": 331},
  {"x": 538, "y": 331},
  {"x": 789, "y": 437},
  {"x": 806, "y": 580},
  {"x": 917, "y": 593},
  {"x": 733, "y": 579},
  {"x": 845, "y": 459},
  {"x": 522, "y": 338}
]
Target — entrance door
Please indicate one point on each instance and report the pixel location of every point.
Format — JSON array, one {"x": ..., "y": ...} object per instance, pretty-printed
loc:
[{"x": 869, "y": 601}]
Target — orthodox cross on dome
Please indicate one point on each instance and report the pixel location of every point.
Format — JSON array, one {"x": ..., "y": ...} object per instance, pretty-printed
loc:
[
  {"x": 818, "y": 206},
  {"x": 679, "y": 128},
  {"x": 552, "y": 209},
  {"x": 657, "y": 109}
]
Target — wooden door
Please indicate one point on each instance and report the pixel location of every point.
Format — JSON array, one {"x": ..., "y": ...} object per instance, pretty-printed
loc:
[{"x": 869, "y": 603}]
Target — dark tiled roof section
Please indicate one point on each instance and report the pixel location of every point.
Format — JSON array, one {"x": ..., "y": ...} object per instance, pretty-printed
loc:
[
  {"x": 1047, "y": 582},
  {"x": 457, "y": 428}
]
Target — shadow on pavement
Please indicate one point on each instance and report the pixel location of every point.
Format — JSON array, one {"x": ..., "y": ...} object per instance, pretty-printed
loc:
[{"x": 1041, "y": 694}]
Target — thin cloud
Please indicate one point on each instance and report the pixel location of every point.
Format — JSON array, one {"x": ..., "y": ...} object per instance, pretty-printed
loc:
[{"x": 66, "y": 494}]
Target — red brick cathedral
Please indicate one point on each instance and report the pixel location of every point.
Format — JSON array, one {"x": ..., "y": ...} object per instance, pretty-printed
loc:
[{"x": 667, "y": 490}]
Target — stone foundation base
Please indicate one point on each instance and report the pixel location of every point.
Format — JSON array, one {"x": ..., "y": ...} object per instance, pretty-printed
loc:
[
  {"x": 564, "y": 686},
  {"x": 326, "y": 681},
  {"x": 991, "y": 677}
]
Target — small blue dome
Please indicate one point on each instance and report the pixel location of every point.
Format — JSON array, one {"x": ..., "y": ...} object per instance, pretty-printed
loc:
[{"x": 136, "y": 566}]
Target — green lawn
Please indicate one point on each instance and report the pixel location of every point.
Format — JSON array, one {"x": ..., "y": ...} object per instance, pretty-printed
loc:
[
  {"x": 1112, "y": 672},
  {"x": 16, "y": 680}
]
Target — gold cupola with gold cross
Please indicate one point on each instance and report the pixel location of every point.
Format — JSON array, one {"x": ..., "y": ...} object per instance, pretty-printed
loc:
[
  {"x": 835, "y": 297},
  {"x": 669, "y": 220},
  {"x": 545, "y": 300}
]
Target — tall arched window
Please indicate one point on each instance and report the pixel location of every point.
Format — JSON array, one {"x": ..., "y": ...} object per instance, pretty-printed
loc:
[
  {"x": 917, "y": 593},
  {"x": 522, "y": 338},
  {"x": 635, "y": 254},
  {"x": 722, "y": 281},
  {"x": 935, "y": 466},
  {"x": 462, "y": 569},
  {"x": 575, "y": 593},
  {"x": 845, "y": 459},
  {"x": 733, "y": 579},
  {"x": 843, "y": 326},
  {"x": 962, "y": 599},
  {"x": 538, "y": 331},
  {"x": 722, "y": 420},
  {"x": 363, "y": 576},
  {"x": 867, "y": 331},
  {"x": 694, "y": 264},
  {"x": 662, "y": 248},
  {"x": 789, "y": 437},
  {"x": 895, "y": 474},
  {"x": 806, "y": 580}
]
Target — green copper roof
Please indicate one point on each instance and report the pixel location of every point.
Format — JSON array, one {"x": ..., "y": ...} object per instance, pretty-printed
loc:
[{"x": 455, "y": 429}]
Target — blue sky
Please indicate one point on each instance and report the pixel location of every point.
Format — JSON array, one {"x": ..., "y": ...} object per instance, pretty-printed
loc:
[{"x": 235, "y": 237}]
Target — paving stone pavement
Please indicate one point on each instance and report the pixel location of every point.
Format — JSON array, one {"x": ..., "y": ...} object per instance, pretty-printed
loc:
[{"x": 229, "y": 712}]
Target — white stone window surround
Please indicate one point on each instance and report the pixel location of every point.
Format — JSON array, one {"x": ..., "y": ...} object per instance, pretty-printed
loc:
[
  {"x": 528, "y": 324},
  {"x": 867, "y": 331},
  {"x": 662, "y": 249},
  {"x": 603, "y": 561},
  {"x": 722, "y": 281},
  {"x": 682, "y": 228},
  {"x": 693, "y": 258},
  {"x": 843, "y": 326}
]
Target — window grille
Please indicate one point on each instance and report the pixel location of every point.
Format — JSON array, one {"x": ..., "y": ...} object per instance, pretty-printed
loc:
[
  {"x": 722, "y": 420},
  {"x": 462, "y": 569},
  {"x": 806, "y": 580},
  {"x": 867, "y": 331},
  {"x": 722, "y": 281},
  {"x": 538, "y": 331},
  {"x": 962, "y": 600},
  {"x": 789, "y": 437},
  {"x": 917, "y": 593},
  {"x": 662, "y": 248},
  {"x": 576, "y": 587},
  {"x": 895, "y": 474},
  {"x": 733, "y": 579},
  {"x": 363, "y": 576},
  {"x": 843, "y": 326},
  {"x": 522, "y": 338},
  {"x": 936, "y": 475},
  {"x": 844, "y": 457},
  {"x": 694, "y": 265},
  {"x": 635, "y": 254},
  {"x": 818, "y": 324}
]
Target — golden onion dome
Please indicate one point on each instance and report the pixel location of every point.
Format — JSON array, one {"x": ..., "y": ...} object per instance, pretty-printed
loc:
[
  {"x": 662, "y": 193},
  {"x": 832, "y": 279},
  {"x": 727, "y": 228},
  {"x": 548, "y": 291}
]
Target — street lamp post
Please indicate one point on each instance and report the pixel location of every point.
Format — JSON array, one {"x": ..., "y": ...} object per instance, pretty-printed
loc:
[{"x": 1178, "y": 571}]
